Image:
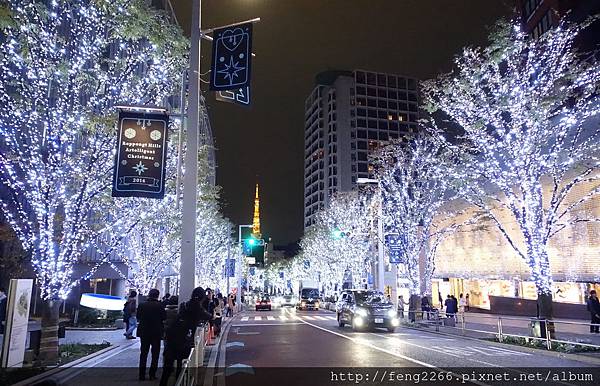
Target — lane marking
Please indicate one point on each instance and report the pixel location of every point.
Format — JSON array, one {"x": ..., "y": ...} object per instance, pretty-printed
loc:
[
  {"x": 245, "y": 319},
  {"x": 331, "y": 317},
  {"x": 320, "y": 318},
  {"x": 257, "y": 318},
  {"x": 308, "y": 317},
  {"x": 364, "y": 343},
  {"x": 266, "y": 324},
  {"x": 283, "y": 317},
  {"x": 270, "y": 317}
]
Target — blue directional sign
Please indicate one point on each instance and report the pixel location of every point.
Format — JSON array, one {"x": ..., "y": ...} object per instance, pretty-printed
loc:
[
  {"x": 306, "y": 264},
  {"x": 392, "y": 241},
  {"x": 252, "y": 271},
  {"x": 281, "y": 274},
  {"x": 231, "y": 59}
]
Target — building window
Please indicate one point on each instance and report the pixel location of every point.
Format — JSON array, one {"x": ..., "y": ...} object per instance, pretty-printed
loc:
[
  {"x": 530, "y": 7},
  {"x": 360, "y": 77},
  {"x": 371, "y": 79}
]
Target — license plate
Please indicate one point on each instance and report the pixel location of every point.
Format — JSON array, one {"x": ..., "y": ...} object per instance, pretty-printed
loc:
[{"x": 378, "y": 320}]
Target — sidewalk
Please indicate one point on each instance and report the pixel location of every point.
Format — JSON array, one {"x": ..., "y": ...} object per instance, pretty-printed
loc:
[
  {"x": 486, "y": 326},
  {"x": 118, "y": 366}
]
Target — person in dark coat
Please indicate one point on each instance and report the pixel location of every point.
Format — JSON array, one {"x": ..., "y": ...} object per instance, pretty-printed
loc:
[
  {"x": 179, "y": 334},
  {"x": 151, "y": 315},
  {"x": 3, "y": 301},
  {"x": 593, "y": 306},
  {"x": 425, "y": 306}
]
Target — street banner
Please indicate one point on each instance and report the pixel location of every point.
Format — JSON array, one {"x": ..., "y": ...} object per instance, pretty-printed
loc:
[
  {"x": 393, "y": 243},
  {"x": 231, "y": 57},
  {"x": 230, "y": 268},
  {"x": 139, "y": 169},
  {"x": 240, "y": 96},
  {"x": 17, "y": 319}
]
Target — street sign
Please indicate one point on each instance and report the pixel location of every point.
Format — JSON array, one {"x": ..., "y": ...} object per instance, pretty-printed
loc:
[
  {"x": 139, "y": 169},
  {"x": 281, "y": 274},
  {"x": 306, "y": 264},
  {"x": 241, "y": 96},
  {"x": 252, "y": 271},
  {"x": 231, "y": 57},
  {"x": 17, "y": 316}
]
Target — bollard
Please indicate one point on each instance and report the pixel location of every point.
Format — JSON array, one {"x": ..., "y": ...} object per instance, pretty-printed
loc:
[
  {"x": 548, "y": 337},
  {"x": 500, "y": 330}
]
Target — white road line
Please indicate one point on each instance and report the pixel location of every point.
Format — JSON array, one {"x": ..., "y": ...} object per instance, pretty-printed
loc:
[
  {"x": 264, "y": 324},
  {"x": 320, "y": 318},
  {"x": 244, "y": 319},
  {"x": 308, "y": 317},
  {"x": 270, "y": 318},
  {"x": 283, "y": 317},
  {"x": 331, "y": 317},
  {"x": 257, "y": 318}
]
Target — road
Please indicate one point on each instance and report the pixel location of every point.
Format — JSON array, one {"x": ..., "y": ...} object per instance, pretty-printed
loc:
[{"x": 290, "y": 347}]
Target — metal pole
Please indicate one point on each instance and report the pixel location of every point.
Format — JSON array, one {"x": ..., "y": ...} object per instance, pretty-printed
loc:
[
  {"x": 227, "y": 265},
  {"x": 180, "y": 142},
  {"x": 190, "y": 179},
  {"x": 380, "y": 251},
  {"x": 238, "y": 271}
]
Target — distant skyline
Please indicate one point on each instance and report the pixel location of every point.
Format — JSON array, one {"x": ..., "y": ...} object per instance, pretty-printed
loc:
[{"x": 297, "y": 39}]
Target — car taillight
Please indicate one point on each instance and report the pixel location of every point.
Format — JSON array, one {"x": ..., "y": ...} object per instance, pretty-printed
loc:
[
  {"x": 257, "y": 303},
  {"x": 268, "y": 302}
]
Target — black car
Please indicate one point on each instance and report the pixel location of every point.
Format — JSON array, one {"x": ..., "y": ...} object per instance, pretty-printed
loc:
[
  {"x": 366, "y": 309},
  {"x": 263, "y": 302}
]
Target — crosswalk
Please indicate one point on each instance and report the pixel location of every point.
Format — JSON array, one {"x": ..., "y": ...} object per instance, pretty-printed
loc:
[{"x": 285, "y": 318}]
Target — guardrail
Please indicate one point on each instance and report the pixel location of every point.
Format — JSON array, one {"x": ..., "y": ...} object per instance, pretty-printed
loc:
[
  {"x": 547, "y": 330},
  {"x": 189, "y": 371}
]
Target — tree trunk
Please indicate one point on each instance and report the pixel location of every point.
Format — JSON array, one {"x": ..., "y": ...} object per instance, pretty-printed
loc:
[
  {"x": 544, "y": 306},
  {"x": 49, "y": 340}
]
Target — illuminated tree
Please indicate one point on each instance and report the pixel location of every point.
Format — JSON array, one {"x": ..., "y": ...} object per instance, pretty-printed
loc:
[
  {"x": 525, "y": 107},
  {"x": 63, "y": 64}
]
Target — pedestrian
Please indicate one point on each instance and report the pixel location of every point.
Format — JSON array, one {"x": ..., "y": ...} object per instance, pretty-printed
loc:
[
  {"x": 179, "y": 335},
  {"x": 151, "y": 315},
  {"x": 449, "y": 304},
  {"x": 593, "y": 306},
  {"x": 425, "y": 306},
  {"x": 462, "y": 304},
  {"x": 441, "y": 299},
  {"x": 218, "y": 313},
  {"x": 229, "y": 305},
  {"x": 3, "y": 301},
  {"x": 468, "y": 305},
  {"x": 166, "y": 300},
  {"x": 131, "y": 312},
  {"x": 171, "y": 311},
  {"x": 401, "y": 306}
]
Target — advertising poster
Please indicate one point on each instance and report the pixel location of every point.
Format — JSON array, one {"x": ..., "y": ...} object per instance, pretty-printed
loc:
[{"x": 17, "y": 318}]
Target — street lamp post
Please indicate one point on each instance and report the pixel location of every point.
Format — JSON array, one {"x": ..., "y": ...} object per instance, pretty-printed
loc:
[
  {"x": 238, "y": 296},
  {"x": 190, "y": 178},
  {"x": 380, "y": 246}
]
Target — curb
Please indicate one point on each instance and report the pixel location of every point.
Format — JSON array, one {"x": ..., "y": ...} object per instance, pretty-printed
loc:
[
  {"x": 56, "y": 370},
  {"x": 92, "y": 328},
  {"x": 555, "y": 354}
]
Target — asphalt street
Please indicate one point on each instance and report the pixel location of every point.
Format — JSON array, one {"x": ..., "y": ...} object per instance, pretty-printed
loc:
[{"x": 308, "y": 347}]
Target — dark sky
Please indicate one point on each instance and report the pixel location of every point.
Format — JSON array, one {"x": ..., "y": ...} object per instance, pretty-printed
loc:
[{"x": 295, "y": 40}]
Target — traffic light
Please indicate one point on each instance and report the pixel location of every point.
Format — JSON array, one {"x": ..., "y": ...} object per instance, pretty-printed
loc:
[
  {"x": 255, "y": 248},
  {"x": 338, "y": 234}
]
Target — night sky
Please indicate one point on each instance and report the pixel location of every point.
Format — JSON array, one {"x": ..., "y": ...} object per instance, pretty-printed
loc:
[{"x": 295, "y": 40}]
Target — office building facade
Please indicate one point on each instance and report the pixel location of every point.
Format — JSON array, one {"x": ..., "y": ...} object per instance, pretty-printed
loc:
[{"x": 348, "y": 116}]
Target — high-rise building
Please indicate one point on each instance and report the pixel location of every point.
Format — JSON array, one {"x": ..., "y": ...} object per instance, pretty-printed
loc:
[{"x": 348, "y": 115}]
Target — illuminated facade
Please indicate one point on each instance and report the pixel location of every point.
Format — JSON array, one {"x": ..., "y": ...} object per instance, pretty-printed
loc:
[{"x": 480, "y": 262}]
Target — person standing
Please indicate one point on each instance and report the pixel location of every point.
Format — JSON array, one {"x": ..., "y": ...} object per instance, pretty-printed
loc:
[
  {"x": 449, "y": 304},
  {"x": 593, "y": 306},
  {"x": 131, "y": 307},
  {"x": 3, "y": 301},
  {"x": 425, "y": 306},
  {"x": 166, "y": 300},
  {"x": 230, "y": 305},
  {"x": 179, "y": 335},
  {"x": 218, "y": 313},
  {"x": 401, "y": 305},
  {"x": 467, "y": 302},
  {"x": 151, "y": 315},
  {"x": 462, "y": 304}
]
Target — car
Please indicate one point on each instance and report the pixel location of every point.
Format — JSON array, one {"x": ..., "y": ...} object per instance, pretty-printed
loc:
[
  {"x": 287, "y": 301},
  {"x": 309, "y": 299},
  {"x": 263, "y": 303},
  {"x": 366, "y": 309}
]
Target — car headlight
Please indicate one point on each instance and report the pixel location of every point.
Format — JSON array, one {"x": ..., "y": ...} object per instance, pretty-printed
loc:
[
  {"x": 392, "y": 313},
  {"x": 362, "y": 312}
]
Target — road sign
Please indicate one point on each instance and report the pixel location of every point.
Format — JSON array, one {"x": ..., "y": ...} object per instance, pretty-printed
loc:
[
  {"x": 230, "y": 268},
  {"x": 241, "y": 96}
]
